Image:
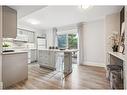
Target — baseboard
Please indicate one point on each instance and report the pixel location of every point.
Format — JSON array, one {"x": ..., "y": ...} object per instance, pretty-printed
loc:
[
  {"x": 1, "y": 85},
  {"x": 94, "y": 64}
]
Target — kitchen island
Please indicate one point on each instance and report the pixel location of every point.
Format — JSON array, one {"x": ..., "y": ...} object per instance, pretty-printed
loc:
[
  {"x": 48, "y": 58},
  {"x": 14, "y": 67}
]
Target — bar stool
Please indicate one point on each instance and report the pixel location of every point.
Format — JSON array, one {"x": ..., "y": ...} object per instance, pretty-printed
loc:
[
  {"x": 115, "y": 75},
  {"x": 115, "y": 79},
  {"x": 114, "y": 67},
  {"x": 60, "y": 64}
]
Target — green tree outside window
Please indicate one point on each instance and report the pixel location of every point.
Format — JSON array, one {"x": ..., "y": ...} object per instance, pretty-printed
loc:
[{"x": 72, "y": 41}]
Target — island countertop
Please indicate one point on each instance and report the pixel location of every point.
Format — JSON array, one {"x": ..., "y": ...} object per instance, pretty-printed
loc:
[{"x": 58, "y": 50}]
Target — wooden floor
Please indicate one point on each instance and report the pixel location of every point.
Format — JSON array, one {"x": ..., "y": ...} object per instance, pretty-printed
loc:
[{"x": 82, "y": 77}]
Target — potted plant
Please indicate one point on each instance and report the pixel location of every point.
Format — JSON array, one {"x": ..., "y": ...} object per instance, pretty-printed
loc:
[
  {"x": 115, "y": 42},
  {"x": 5, "y": 46}
]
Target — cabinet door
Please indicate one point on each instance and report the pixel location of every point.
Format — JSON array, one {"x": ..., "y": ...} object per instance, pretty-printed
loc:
[
  {"x": 31, "y": 37},
  {"x": 52, "y": 61},
  {"x": 47, "y": 59},
  {"x": 9, "y": 22},
  {"x": 21, "y": 32},
  {"x": 43, "y": 58},
  {"x": 33, "y": 55},
  {"x": 22, "y": 35},
  {"x": 15, "y": 68},
  {"x": 28, "y": 36},
  {"x": 29, "y": 56}
]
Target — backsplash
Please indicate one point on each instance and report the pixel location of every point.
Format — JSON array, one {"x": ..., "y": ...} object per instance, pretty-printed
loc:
[{"x": 18, "y": 45}]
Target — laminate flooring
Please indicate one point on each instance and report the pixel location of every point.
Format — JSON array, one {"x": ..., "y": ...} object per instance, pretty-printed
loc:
[{"x": 82, "y": 77}]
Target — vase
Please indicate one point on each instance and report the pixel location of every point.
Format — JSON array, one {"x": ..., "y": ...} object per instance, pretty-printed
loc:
[{"x": 115, "y": 48}]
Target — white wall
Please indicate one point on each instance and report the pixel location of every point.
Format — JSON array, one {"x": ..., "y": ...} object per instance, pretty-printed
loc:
[
  {"x": 112, "y": 25},
  {"x": 94, "y": 43},
  {"x": 60, "y": 30},
  {"x": 70, "y": 31}
]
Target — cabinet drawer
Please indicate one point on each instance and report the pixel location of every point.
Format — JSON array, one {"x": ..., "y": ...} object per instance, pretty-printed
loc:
[{"x": 43, "y": 60}]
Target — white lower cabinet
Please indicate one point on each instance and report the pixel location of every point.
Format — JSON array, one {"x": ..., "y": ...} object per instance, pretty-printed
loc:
[
  {"x": 46, "y": 59},
  {"x": 15, "y": 68},
  {"x": 32, "y": 55}
]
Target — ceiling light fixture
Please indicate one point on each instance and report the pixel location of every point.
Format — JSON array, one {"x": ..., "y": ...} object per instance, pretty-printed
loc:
[
  {"x": 33, "y": 21},
  {"x": 84, "y": 7}
]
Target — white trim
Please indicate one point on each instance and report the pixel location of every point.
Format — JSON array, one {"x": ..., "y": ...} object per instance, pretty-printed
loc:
[
  {"x": 1, "y": 85},
  {"x": 94, "y": 64}
]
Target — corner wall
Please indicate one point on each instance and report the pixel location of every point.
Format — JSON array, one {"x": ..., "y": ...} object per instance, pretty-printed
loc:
[{"x": 112, "y": 25}]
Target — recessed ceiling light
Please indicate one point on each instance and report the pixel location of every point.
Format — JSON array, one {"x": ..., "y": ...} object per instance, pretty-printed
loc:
[{"x": 33, "y": 21}]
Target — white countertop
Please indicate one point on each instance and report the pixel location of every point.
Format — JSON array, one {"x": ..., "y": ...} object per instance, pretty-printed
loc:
[
  {"x": 33, "y": 49},
  {"x": 57, "y": 50},
  {"x": 15, "y": 52},
  {"x": 118, "y": 55}
]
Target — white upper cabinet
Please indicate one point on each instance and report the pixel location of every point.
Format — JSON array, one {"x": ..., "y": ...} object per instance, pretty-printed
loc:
[
  {"x": 21, "y": 35},
  {"x": 31, "y": 37},
  {"x": 9, "y": 23},
  {"x": 25, "y": 35}
]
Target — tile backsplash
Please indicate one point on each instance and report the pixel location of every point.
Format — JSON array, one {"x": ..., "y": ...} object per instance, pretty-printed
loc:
[{"x": 18, "y": 45}]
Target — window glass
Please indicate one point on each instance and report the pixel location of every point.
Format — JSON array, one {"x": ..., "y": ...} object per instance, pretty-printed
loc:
[{"x": 72, "y": 41}]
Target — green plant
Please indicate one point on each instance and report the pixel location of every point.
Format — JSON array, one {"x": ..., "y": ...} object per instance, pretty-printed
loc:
[
  {"x": 5, "y": 45},
  {"x": 72, "y": 41}
]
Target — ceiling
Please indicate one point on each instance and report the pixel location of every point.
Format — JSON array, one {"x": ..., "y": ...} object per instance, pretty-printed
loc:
[
  {"x": 56, "y": 16},
  {"x": 25, "y": 10}
]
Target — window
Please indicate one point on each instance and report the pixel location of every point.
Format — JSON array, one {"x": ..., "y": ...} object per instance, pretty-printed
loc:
[{"x": 72, "y": 41}]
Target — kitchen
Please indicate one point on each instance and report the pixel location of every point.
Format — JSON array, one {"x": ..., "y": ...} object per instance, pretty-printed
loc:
[
  {"x": 22, "y": 47},
  {"x": 42, "y": 48}
]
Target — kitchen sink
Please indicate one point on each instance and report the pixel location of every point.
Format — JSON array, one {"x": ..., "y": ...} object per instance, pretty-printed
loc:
[{"x": 8, "y": 51}]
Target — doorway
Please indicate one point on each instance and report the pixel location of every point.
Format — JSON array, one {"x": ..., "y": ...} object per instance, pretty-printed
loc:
[{"x": 69, "y": 40}]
